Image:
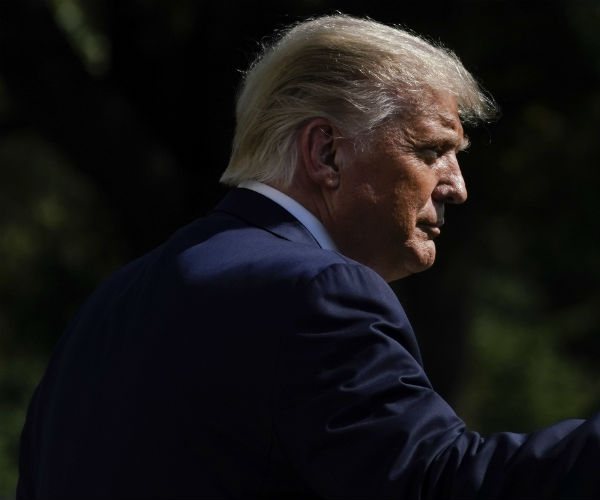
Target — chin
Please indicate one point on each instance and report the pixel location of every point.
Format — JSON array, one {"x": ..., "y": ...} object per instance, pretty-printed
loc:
[
  {"x": 407, "y": 270},
  {"x": 416, "y": 260},
  {"x": 422, "y": 260}
]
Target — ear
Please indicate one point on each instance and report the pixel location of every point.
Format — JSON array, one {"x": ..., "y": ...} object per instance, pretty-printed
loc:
[{"x": 319, "y": 142}]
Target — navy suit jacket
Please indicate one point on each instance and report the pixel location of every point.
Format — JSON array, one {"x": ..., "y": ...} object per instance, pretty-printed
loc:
[{"x": 241, "y": 360}]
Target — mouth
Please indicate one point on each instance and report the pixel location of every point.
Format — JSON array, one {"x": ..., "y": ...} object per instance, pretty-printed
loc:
[{"x": 431, "y": 229}]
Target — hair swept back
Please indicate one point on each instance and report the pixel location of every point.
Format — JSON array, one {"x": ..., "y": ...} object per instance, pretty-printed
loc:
[{"x": 353, "y": 72}]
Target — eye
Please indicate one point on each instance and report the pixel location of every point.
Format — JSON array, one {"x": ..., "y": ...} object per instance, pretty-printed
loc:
[{"x": 431, "y": 153}]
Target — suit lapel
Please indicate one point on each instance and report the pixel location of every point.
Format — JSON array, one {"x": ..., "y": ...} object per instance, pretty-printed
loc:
[{"x": 260, "y": 211}]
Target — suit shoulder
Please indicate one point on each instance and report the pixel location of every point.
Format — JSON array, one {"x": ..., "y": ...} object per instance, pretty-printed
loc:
[{"x": 250, "y": 251}]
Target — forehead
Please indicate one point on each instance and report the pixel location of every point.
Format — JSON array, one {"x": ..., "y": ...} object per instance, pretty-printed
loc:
[{"x": 436, "y": 121}]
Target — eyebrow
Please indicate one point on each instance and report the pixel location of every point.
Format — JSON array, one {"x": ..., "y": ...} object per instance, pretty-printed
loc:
[
  {"x": 464, "y": 144},
  {"x": 451, "y": 143}
]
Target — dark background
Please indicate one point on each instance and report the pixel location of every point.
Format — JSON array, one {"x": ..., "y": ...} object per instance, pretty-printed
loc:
[{"x": 116, "y": 118}]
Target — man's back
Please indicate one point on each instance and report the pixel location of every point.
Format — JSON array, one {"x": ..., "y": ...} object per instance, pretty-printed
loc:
[{"x": 163, "y": 385}]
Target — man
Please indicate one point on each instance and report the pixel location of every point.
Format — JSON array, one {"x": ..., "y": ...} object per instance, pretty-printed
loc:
[{"x": 260, "y": 352}]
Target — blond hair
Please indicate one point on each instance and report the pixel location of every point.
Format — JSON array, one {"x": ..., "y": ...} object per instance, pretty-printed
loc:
[{"x": 356, "y": 73}]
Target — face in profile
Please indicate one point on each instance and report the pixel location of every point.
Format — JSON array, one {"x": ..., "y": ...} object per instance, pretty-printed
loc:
[{"x": 389, "y": 207}]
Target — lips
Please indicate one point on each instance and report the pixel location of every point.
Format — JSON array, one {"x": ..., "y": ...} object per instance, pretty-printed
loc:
[{"x": 432, "y": 229}]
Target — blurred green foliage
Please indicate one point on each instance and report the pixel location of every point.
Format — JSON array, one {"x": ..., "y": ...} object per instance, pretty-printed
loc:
[
  {"x": 115, "y": 122},
  {"x": 56, "y": 243}
]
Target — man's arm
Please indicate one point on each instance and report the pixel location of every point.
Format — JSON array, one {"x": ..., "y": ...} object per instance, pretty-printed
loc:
[{"x": 358, "y": 418}]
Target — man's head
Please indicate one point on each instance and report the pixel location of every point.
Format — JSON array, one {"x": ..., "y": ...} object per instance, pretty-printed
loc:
[{"x": 336, "y": 111}]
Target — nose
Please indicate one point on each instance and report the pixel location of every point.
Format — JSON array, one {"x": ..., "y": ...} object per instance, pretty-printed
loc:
[{"x": 451, "y": 187}]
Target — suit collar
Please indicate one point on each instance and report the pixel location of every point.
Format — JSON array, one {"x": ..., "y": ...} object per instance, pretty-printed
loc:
[{"x": 260, "y": 211}]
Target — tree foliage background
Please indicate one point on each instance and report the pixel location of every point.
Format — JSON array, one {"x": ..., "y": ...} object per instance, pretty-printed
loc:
[{"x": 115, "y": 122}]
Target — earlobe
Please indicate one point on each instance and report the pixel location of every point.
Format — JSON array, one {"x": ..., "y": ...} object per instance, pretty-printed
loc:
[{"x": 318, "y": 146}]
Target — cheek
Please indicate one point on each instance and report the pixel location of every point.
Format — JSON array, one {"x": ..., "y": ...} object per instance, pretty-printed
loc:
[
  {"x": 408, "y": 205},
  {"x": 421, "y": 195},
  {"x": 404, "y": 216}
]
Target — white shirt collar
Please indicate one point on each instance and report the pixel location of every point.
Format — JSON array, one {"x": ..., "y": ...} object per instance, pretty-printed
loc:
[{"x": 307, "y": 219}]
